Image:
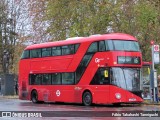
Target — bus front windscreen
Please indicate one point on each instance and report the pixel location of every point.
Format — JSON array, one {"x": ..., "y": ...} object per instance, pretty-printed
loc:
[
  {"x": 126, "y": 78},
  {"x": 122, "y": 45}
]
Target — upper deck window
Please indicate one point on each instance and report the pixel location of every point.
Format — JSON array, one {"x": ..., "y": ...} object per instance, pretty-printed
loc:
[
  {"x": 102, "y": 46},
  {"x": 25, "y": 54},
  {"x": 46, "y": 52},
  {"x": 93, "y": 48},
  {"x": 35, "y": 53},
  {"x": 56, "y": 51},
  {"x": 122, "y": 45},
  {"x": 50, "y": 51},
  {"x": 67, "y": 50}
]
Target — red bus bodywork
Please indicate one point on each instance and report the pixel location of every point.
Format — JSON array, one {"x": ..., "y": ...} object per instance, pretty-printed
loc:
[{"x": 101, "y": 94}]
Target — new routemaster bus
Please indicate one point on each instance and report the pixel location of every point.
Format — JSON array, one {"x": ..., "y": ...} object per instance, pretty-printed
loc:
[{"x": 101, "y": 69}]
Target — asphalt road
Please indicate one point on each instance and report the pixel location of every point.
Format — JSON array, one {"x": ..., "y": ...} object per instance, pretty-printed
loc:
[{"x": 19, "y": 110}]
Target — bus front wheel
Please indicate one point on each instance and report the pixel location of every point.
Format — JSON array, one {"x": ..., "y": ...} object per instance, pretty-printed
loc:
[
  {"x": 34, "y": 96},
  {"x": 87, "y": 98}
]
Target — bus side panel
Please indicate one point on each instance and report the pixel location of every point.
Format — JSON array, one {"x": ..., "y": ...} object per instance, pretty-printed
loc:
[
  {"x": 58, "y": 63},
  {"x": 78, "y": 94},
  {"x": 24, "y": 67},
  {"x": 44, "y": 92},
  {"x": 132, "y": 98},
  {"x": 63, "y": 93},
  {"x": 78, "y": 56},
  {"x": 115, "y": 91},
  {"x": 100, "y": 94},
  {"x": 126, "y": 96}
]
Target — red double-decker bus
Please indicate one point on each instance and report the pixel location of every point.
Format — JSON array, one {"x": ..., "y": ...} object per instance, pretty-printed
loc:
[{"x": 101, "y": 69}]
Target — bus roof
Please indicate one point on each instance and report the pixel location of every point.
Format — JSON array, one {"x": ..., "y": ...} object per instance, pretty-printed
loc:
[{"x": 74, "y": 40}]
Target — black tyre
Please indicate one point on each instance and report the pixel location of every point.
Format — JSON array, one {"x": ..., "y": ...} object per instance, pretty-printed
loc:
[
  {"x": 87, "y": 98},
  {"x": 34, "y": 96}
]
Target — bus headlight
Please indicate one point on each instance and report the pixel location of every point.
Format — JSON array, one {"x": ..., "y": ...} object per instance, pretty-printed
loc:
[{"x": 118, "y": 96}]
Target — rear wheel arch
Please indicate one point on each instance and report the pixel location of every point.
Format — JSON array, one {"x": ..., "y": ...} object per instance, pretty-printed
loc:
[
  {"x": 87, "y": 97},
  {"x": 34, "y": 96}
]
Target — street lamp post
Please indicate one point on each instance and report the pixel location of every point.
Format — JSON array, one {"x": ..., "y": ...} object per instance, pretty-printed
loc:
[{"x": 155, "y": 60}]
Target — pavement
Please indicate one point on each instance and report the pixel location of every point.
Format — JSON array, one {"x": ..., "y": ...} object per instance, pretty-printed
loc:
[
  {"x": 146, "y": 102},
  {"x": 149, "y": 102},
  {"x": 9, "y": 97}
]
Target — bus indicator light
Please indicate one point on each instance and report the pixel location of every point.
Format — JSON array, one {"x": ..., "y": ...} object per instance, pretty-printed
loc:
[{"x": 115, "y": 63}]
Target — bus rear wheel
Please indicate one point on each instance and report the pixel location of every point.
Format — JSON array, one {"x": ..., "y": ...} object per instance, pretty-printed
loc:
[
  {"x": 87, "y": 98},
  {"x": 34, "y": 96}
]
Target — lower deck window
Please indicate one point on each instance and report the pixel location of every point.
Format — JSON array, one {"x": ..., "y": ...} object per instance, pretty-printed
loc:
[
  {"x": 56, "y": 79},
  {"x": 46, "y": 79},
  {"x": 35, "y": 79},
  {"x": 68, "y": 78},
  {"x": 52, "y": 79},
  {"x": 101, "y": 77}
]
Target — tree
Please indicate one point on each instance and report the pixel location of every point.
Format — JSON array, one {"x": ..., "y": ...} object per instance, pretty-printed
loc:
[
  {"x": 7, "y": 37},
  {"x": 13, "y": 26},
  {"x": 38, "y": 24},
  {"x": 77, "y": 18}
]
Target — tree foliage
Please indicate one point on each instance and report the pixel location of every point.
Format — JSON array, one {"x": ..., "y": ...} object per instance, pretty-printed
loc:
[
  {"x": 7, "y": 37},
  {"x": 77, "y": 17},
  {"x": 38, "y": 24},
  {"x": 85, "y": 17}
]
